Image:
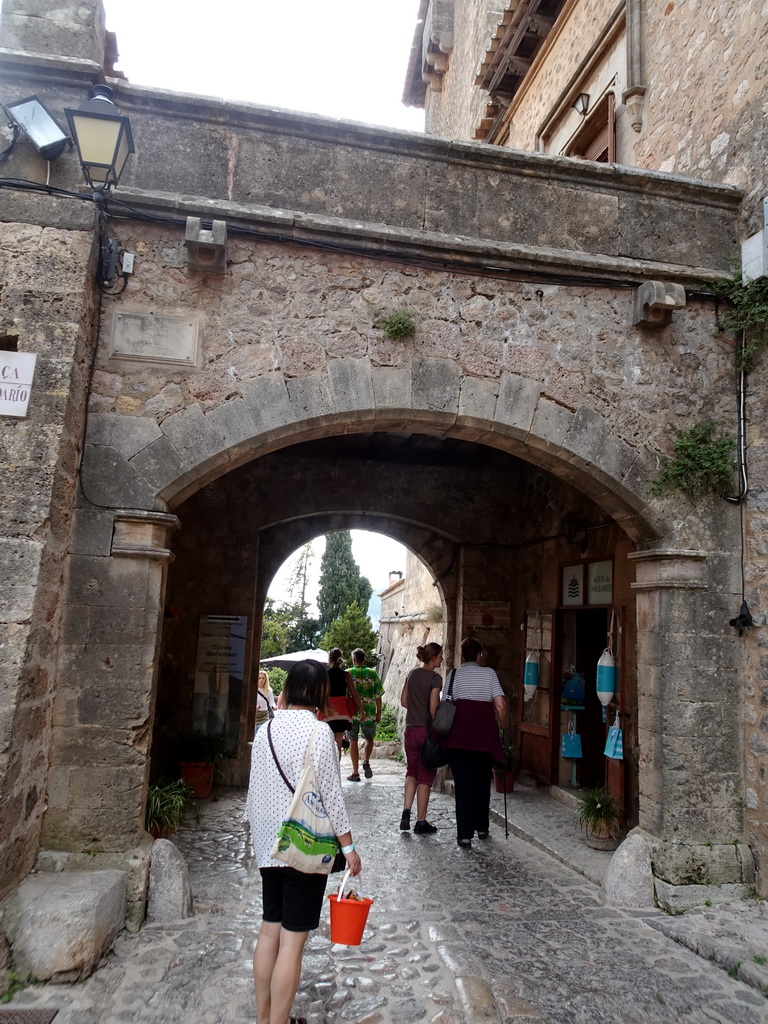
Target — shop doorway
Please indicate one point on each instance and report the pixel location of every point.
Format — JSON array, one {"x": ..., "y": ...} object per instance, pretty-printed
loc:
[{"x": 582, "y": 639}]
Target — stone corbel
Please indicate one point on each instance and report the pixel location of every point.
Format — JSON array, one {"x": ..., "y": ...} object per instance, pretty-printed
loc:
[
  {"x": 143, "y": 535},
  {"x": 207, "y": 249},
  {"x": 669, "y": 569},
  {"x": 634, "y": 100},
  {"x": 433, "y": 80},
  {"x": 655, "y": 302}
]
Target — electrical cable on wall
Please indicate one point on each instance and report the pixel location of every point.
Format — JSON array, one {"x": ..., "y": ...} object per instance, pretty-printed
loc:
[{"x": 744, "y": 619}]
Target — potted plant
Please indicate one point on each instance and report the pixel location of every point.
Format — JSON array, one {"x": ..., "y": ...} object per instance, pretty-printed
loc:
[
  {"x": 199, "y": 755},
  {"x": 504, "y": 771},
  {"x": 600, "y": 815},
  {"x": 167, "y": 800}
]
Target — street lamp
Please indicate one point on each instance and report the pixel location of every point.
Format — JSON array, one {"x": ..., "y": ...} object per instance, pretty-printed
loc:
[{"x": 102, "y": 136}]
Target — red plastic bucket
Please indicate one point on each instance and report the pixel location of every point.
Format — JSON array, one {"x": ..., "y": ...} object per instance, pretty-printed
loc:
[{"x": 348, "y": 919}]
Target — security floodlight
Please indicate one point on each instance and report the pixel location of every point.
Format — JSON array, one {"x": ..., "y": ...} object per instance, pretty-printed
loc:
[{"x": 39, "y": 125}]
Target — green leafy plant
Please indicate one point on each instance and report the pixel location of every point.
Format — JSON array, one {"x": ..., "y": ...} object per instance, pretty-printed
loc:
[
  {"x": 745, "y": 316},
  {"x": 397, "y": 325},
  {"x": 277, "y": 677},
  {"x": 759, "y": 959},
  {"x": 16, "y": 985},
  {"x": 388, "y": 729},
  {"x": 599, "y": 812},
  {"x": 702, "y": 464},
  {"x": 509, "y": 764},
  {"x": 733, "y": 972},
  {"x": 167, "y": 802}
]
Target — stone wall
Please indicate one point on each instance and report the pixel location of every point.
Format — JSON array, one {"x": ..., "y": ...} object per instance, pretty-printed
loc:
[
  {"x": 705, "y": 109},
  {"x": 455, "y": 110},
  {"x": 567, "y": 47},
  {"x": 411, "y": 616},
  {"x": 304, "y": 313},
  {"x": 48, "y": 307}
]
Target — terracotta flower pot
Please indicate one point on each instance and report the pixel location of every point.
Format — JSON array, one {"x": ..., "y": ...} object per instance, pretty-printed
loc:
[
  {"x": 504, "y": 781},
  {"x": 198, "y": 775},
  {"x": 601, "y": 838}
]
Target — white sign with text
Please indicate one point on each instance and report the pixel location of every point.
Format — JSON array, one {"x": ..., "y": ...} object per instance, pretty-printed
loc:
[{"x": 16, "y": 372}]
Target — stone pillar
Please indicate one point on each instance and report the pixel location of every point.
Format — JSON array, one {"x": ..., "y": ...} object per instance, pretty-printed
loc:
[
  {"x": 70, "y": 28},
  {"x": 106, "y": 688},
  {"x": 689, "y": 709}
]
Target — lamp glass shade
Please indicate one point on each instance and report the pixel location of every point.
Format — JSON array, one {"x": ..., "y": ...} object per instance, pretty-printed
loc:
[
  {"x": 104, "y": 143},
  {"x": 581, "y": 103},
  {"x": 40, "y": 126}
]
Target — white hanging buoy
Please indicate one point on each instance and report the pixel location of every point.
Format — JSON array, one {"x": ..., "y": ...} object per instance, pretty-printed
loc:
[
  {"x": 606, "y": 677},
  {"x": 531, "y": 674}
]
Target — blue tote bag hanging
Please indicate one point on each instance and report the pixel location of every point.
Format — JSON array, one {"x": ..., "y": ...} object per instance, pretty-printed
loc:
[
  {"x": 571, "y": 746},
  {"x": 614, "y": 743}
]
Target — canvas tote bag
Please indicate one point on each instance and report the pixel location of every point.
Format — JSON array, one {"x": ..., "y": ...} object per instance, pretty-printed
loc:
[{"x": 306, "y": 840}]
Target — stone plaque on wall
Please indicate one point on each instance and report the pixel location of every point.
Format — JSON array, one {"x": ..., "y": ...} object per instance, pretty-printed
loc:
[{"x": 149, "y": 338}]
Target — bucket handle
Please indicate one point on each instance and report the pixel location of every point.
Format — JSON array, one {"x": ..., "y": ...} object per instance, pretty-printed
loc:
[
  {"x": 344, "y": 880},
  {"x": 341, "y": 886}
]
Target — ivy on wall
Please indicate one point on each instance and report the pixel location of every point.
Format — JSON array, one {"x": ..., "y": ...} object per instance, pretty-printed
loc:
[
  {"x": 703, "y": 463},
  {"x": 745, "y": 317}
]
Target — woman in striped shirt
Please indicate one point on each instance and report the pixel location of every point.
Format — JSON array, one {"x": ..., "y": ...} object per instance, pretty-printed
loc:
[{"x": 473, "y": 744}]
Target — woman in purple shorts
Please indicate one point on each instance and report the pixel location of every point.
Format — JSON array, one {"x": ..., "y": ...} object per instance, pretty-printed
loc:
[{"x": 421, "y": 695}]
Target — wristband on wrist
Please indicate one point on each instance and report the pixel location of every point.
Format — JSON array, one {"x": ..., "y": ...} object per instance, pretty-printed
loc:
[{"x": 347, "y": 849}]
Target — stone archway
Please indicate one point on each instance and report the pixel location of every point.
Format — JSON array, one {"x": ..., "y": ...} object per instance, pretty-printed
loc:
[{"x": 134, "y": 461}]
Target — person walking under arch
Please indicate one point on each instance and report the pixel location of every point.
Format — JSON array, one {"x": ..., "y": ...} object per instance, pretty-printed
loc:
[
  {"x": 473, "y": 743},
  {"x": 369, "y": 690},
  {"x": 343, "y": 701},
  {"x": 421, "y": 695},
  {"x": 292, "y": 899}
]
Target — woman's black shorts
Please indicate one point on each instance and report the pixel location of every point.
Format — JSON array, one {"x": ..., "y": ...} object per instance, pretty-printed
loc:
[
  {"x": 339, "y": 724},
  {"x": 292, "y": 898}
]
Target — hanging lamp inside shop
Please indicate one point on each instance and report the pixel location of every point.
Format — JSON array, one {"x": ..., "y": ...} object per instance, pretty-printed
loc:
[{"x": 606, "y": 671}]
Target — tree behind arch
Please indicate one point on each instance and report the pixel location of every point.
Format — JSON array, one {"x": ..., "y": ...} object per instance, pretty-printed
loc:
[
  {"x": 352, "y": 629},
  {"x": 341, "y": 583}
]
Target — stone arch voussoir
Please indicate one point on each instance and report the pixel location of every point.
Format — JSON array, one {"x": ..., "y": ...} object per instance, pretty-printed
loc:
[{"x": 133, "y": 462}]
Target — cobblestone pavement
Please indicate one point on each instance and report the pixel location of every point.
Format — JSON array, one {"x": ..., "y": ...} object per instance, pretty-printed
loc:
[{"x": 496, "y": 934}]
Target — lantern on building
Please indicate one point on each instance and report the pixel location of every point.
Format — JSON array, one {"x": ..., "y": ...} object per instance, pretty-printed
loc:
[{"x": 531, "y": 674}]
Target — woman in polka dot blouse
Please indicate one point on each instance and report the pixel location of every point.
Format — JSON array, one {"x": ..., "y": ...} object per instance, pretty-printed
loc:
[{"x": 292, "y": 900}]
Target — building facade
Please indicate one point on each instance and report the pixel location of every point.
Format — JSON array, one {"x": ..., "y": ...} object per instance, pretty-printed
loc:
[{"x": 197, "y": 421}]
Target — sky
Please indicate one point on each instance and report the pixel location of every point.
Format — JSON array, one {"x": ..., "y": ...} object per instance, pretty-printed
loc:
[
  {"x": 344, "y": 59},
  {"x": 340, "y": 58}
]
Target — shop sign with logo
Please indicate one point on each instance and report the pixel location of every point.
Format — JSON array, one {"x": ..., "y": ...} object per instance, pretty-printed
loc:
[
  {"x": 573, "y": 584},
  {"x": 16, "y": 372},
  {"x": 596, "y": 588}
]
